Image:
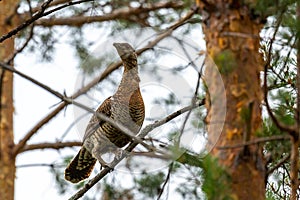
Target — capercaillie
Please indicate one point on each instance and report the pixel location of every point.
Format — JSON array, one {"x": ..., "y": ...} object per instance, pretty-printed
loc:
[{"x": 126, "y": 106}]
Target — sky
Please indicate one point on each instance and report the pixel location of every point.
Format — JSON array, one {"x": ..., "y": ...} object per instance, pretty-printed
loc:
[{"x": 62, "y": 74}]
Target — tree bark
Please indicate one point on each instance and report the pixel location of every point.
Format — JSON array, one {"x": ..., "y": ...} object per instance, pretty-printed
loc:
[
  {"x": 232, "y": 41},
  {"x": 7, "y": 159},
  {"x": 295, "y": 137}
]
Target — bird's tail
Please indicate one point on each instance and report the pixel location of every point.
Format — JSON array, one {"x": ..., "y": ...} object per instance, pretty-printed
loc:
[{"x": 80, "y": 167}]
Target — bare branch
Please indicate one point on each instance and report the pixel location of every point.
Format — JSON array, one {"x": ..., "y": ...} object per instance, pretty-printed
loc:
[
  {"x": 280, "y": 162},
  {"x": 166, "y": 181},
  {"x": 29, "y": 37},
  {"x": 53, "y": 3},
  {"x": 49, "y": 145},
  {"x": 41, "y": 13},
  {"x": 27, "y": 22},
  {"x": 39, "y": 165},
  {"x": 18, "y": 147},
  {"x": 199, "y": 73},
  {"x": 11, "y": 69},
  {"x": 68, "y": 4},
  {"x": 256, "y": 141},
  {"x": 239, "y": 34},
  {"x": 121, "y": 13},
  {"x": 150, "y": 155}
]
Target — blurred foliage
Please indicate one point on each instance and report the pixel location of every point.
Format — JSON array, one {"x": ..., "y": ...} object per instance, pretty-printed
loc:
[
  {"x": 277, "y": 149},
  {"x": 149, "y": 184},
  {"x": 190, "y": 159},
  {"x": 112, "y": 192},
  {"x": 266, "y": 8},
  {"x": 216, "y": 181},
  {"x": 282, "y": 89},
  {"x": 225, "y": 61}
]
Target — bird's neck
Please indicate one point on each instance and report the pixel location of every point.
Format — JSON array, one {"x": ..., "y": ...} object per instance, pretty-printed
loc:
[{"x": 130, "y": 79}]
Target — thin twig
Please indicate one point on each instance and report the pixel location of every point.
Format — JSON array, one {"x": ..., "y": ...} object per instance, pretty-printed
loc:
[
  {"x": 38, "y": 15},
  {"x": 121, "y": 13},
  {"x": 41, "y": 13},
  {"x": 280, "y": 162},
  {"x": 29, "y": 37},
  {"x": 49, "y": 145},
  {"x": 69, "y": 128},
  {"x": 166, "y": 181},
  {"x": 151, "y": 155},
  {"x": 256, "y": 141},
  {"x": 199, "y": 73},
  {"x": 18, "y": 147},
  {"x": 67, "y": 4},
  {"x": 40, "y": 165},
  {"x": 53, "y": 3},
  {"x": 239, "y": 34},
  {"x": 45, "y": 87}
]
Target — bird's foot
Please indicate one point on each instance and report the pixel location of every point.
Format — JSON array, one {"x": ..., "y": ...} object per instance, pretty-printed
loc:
[
  {"x": 104, "y": 166},
  {"x": 110, "y": 169}
]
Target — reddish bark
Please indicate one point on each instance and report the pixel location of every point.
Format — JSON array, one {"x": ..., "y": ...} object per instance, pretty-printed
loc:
[{"x": 232, "y": 37}]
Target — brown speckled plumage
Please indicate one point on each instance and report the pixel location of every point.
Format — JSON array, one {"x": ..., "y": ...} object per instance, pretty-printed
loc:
[{"x": 126, "y": 106}]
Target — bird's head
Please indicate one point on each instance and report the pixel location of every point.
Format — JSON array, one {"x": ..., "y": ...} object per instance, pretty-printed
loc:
[{"x": 125, "y": 51}]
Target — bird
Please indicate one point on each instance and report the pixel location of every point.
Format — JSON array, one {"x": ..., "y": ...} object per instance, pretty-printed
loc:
[{"x": 125, "y": 106}]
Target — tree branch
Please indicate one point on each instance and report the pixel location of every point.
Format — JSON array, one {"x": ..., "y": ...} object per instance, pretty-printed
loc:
[
  {"x": 45, "y": 87},
  {"x": 48, "y": 145},
  {"x": 28, "y": 39},
  {"x": 53, "y": 3},
  {"x": 27, "y": 22},
  {"x": 281, "y": 162},
  {"x": 256, "y": 141},
  {"x": 166, "y": 181},
  {"x": 121, "y": 13},
  {"x": 18, "y": 147},
  {"x": 39, "y": 165},
  {"x": 41, "y": 13}
]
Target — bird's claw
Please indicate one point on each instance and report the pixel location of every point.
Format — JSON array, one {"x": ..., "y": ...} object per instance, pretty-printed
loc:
[
  {"x": 110, "y": 169},
  {"x": 104, "y": 166}
]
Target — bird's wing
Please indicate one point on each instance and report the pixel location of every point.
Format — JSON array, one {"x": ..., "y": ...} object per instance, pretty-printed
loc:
[{"x": 95, "y": 122}]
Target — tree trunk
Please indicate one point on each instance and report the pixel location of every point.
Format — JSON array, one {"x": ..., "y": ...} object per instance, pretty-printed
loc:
[
  {"x": 7, "y": 159},
  {"x": 232, "y": 38}
]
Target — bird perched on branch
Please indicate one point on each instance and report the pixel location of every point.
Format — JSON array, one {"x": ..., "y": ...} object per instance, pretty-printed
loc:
[{"x": 126, "y": 107}]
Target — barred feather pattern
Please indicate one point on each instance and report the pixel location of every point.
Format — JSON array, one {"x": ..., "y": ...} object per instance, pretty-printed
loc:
[{"x": 126, "y": 106}]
